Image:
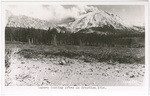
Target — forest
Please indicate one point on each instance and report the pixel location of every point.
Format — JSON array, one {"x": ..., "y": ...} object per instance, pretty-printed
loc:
[{"x": 53, "y": 37}]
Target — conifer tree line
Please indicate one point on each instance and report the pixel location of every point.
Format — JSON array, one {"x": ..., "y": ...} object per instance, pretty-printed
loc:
[{"x": 53, "y": 37}]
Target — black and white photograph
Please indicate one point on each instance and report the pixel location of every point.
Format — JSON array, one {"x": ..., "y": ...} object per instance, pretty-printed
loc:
[{"x": 74, "y": 45}]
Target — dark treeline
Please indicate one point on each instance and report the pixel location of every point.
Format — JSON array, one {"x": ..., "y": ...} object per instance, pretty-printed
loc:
[{"x": 52, "y": 36}]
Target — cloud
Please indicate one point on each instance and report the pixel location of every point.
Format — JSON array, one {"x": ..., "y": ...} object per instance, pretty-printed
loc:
[
  {"x": 49, "y": 12},
  {"x": 35, "y": 11}
]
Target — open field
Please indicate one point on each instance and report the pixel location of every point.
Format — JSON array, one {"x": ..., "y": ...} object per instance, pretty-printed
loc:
[{"x": 39, "y": 65}]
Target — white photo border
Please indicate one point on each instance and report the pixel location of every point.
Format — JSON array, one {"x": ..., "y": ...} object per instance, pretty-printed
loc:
[{"x": 108, "y": 90}]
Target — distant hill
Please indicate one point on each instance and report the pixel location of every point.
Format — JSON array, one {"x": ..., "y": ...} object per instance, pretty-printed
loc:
[{"x": 28, "y": 22}]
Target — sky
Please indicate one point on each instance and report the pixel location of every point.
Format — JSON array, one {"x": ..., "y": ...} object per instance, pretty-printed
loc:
[
  {"x": 130, "y": 13},
  {"x": 133, "y": 14}
]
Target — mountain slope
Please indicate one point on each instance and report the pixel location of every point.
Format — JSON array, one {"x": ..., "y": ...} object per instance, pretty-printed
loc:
[
  {"x": 98, "y": 19},
  {"x": 28, "y": 22}
]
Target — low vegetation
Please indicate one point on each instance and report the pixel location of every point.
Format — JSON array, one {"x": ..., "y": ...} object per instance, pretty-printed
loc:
[{"x": 85, "y": 53}]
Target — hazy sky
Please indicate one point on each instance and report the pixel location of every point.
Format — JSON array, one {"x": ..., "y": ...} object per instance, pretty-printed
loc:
[{"x": 130, "y": 13}]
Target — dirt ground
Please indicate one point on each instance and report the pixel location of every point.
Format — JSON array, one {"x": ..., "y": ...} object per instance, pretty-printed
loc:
[{"x": 46, "y": 71}]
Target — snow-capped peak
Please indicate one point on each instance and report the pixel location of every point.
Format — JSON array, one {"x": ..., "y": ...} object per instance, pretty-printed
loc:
[{"x": 98, "y": 18}]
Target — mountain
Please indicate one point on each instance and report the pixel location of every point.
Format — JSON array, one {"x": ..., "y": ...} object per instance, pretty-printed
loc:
[
  {"x": 95, "y": 21},
  {"x": 28, "y": 22},
  {"x": 99, "y": 19}
]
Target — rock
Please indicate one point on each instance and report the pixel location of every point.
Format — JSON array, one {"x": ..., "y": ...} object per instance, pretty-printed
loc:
[
  {"x": 132, "y": 76},
  {"x": 127, "y": 73},
  {"x": 22, "y": 62},
  {"x": 62, "y": 62}
]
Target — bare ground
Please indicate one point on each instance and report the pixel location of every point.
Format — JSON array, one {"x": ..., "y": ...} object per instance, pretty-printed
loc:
[{"x": 48, "y": 71}]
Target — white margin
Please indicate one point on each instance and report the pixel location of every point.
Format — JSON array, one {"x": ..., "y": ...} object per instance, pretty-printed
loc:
[{"x": 117, "y": 90}]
